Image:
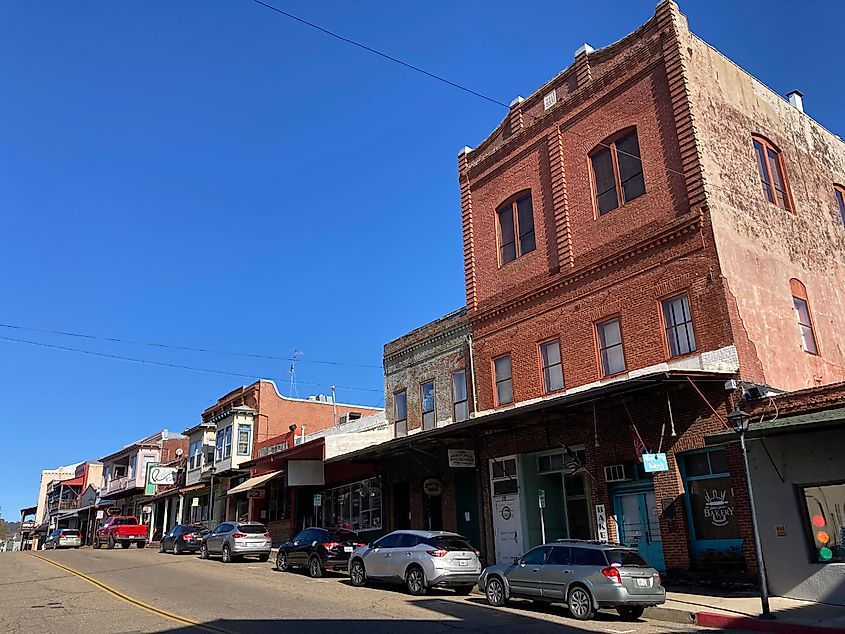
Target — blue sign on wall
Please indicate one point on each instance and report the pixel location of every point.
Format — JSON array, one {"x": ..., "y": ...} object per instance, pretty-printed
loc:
[{"x": 653, "y": 462}]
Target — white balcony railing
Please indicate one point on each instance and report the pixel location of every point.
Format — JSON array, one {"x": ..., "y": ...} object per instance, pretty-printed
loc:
[{"x": 120, "y": 484}]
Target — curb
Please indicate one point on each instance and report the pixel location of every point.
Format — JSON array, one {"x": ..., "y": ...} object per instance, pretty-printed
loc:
[
  {"x": 670, "y": 615},
  {"x": 727, "y": 621}
]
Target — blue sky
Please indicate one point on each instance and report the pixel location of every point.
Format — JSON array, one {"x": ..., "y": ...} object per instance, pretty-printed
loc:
[{"x": 207, "y": 173}]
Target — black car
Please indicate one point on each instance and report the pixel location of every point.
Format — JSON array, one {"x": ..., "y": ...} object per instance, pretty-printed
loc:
[
  {"x": 182, "y": 538},
  {"x": 318, "y": 549}
]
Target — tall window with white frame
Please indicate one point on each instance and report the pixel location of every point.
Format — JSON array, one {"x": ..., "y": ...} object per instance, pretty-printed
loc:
[
  {"x": 516, "y": 228},
  {"x": 427, "y": 405},
  {"x": 611, "y": 352},
  {"x": 227, "y": 443},
  {"x": 805, "y": 320},
  {"x": 552, "y": 366},
  {"x": 244, "y": 445},
  {"x": 677, "y": 321},
  {"x": 221, "y": 437},
  {"x": 503, "y": 379},
  {"x": 400, "y": 413},
  {"x": 460, "y": 409}
]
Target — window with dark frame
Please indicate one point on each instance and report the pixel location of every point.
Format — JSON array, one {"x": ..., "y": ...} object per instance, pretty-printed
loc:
[
  {"x": 400, "y": 413},
  {"x": 460, "y": 408},
  {"x": 677, "y": 321},
  {"x": 772, "y": 173},
  {"x": 617, "y": 172},
  {"x": 427, "y": 404},
  {"x": 839, "y": 193},
  {"x": 802, "y": 313},
  {"x": 503, "y": 379},
  {"x": 551, "y": 366},
  {"x": 611, "y": 351},
  {"x": 516, "y": 228}
]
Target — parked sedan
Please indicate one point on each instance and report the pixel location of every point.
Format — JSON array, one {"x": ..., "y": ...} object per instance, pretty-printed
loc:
[
  {"x": 182, "y": 538},
  {"x": 233, "y": 540},
  {"x": 419, "y": 559},
  {"x": 587, "y": 576},
  {"x": 63, "y": 538},
  {"x": 318, "y": 549}
]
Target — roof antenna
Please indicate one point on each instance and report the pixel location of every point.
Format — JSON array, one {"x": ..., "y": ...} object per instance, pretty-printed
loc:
[{"x": 292, "y": 393}]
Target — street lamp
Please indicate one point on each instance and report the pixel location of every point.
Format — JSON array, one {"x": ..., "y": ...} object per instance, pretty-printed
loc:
[
  {"x": 739, "y": 420},
  {"x": 211, "y": 470}
]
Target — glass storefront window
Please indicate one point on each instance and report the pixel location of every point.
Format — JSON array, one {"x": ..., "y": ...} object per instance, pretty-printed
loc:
[
  {"x": 710, "y": 495},
  {"x": 825, "y": 516},
  {"x": 355, "y": 506}
]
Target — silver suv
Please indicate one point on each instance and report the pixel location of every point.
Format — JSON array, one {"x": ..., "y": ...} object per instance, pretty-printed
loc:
[
  {"x": 587, "y": 576},
  {"x": 232, "y": 540},
  {"x": 419, "y": 559}
]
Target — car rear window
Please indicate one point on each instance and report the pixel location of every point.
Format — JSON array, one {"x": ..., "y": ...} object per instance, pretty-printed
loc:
[
  {"x": 125, "y": 521},
  {"x": 252, "y": 528},
  {"x": 447, "y": 542},
  {"x": 71, "y": 533},
  {"x": 626, "y": 558},
  {"x": 343, "y": 536}
]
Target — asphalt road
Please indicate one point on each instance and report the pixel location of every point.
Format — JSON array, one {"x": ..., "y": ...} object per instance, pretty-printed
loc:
[{"x": 125, "y": 591}]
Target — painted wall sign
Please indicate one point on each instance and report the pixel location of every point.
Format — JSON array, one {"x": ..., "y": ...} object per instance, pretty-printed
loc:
[
  {"x": 255, "y": 493},
  {"x": 461, "y": 458},
  {"x": 601, "y": 523},
  {"x": 654, "y": 462},
  {"x": 162, "y": 475},
  {"x": 318, "y": 499}
]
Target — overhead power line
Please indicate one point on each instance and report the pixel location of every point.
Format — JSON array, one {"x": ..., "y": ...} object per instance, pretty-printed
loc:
[
  {"x": 466, "y": 89},
  {"x": 186, "y": 348},
  {"x": 165, "y": 364}
]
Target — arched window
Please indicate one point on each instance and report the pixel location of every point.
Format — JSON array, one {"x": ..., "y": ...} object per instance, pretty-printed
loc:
[
  {"x": 617, "y": 171},
  {"x": 802, "y": 314},
  {"x": 515, "y": 219},
  {"x": 772, "y": 173},
  {"x": 839, "y": 194}
]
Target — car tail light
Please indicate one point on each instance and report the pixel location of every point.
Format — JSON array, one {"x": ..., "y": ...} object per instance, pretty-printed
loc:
[
  {"x": 330, "y": 545},
  {"x": 188, "y": 536},
  {"x": 361, "y": 545},
  {"x": 267, "y": 535},
  {"x": 658, "y": 578},
  {"x": 612, "y": 574},
  {"x": 237, "y": 535},
  {"x": 437, "y": 553}
]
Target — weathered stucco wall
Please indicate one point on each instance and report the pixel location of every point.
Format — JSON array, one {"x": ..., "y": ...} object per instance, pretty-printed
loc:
[{"x": 761, "y": 246}]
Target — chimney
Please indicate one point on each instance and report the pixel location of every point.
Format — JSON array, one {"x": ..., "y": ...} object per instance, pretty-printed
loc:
[{"x": 796, "y": 98}]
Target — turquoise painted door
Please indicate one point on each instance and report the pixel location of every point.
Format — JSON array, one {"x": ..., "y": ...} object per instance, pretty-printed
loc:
[{"x": 639, "y": 526}]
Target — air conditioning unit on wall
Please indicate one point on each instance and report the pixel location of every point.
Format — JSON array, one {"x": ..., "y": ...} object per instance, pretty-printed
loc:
[{"x": 617, "y": 473}]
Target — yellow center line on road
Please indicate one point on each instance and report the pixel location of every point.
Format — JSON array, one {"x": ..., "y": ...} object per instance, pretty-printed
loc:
[{"x": 136, "y": 602}]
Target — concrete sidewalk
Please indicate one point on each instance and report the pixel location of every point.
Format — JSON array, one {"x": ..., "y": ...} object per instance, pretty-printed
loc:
[{"x": 740, "y": 611}]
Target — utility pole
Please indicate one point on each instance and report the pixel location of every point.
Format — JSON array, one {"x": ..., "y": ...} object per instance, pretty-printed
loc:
[{"x": 334, "y": 408}]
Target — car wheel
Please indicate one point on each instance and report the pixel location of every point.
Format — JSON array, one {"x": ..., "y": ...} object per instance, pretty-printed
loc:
[
  {"x": 96, "y": 544},
  {"x": 227, "y": 555},
  {"x": 580, "y": 604},
  {"x": 631, "y": 613},
  {"x": 495, "y": 592},
  {"x": 282, "y": 561},
  {"x": 415, "y": 581},
  {"x": 204, "y": 552},
  {"x": 263, "y": 558},
  {"x": 125, "y": 544},
  {"x": 162, "y": 549},
  {"x": 177, "y": 548},
  {"x": 357, "y": 573},
  {"x": 141, "y": 544},
  {"x": 110, "y": 545},
  {"x": 315, "y": 568},
  {"x": 463, "y": 590}
]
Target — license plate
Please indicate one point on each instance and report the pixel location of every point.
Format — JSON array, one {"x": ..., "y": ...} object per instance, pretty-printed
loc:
[
  {"x": 642, "y": 583},
  {"x": 348, "y": 549},
  {"x": 463, "y": 562}
]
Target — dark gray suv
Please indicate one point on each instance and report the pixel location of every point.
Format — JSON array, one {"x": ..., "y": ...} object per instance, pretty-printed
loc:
[{"x": 587, "y": 576}]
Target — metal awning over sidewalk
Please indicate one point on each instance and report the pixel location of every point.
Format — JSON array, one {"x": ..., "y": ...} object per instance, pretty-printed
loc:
[
  {"x": 254, "y": 483},
  {"x": 795, "y": 424}
]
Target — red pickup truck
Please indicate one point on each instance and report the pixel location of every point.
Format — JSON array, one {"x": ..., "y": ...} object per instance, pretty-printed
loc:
[{"x": 123, "y": 530}]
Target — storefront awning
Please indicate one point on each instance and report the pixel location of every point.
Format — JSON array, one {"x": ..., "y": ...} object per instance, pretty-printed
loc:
[
  {"x": 254, "y": 483},
  {"x": 799, "y": 423}
]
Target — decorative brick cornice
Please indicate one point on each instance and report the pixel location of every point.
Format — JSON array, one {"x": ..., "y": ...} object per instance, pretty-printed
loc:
[
  {"x": 466, "y": 226},
  {"x": 674, "y": 232},
  {"x": 560, "y": 204}
]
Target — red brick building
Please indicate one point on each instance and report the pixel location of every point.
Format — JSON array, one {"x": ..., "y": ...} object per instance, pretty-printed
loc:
[{"x": 650, "y": 223}]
